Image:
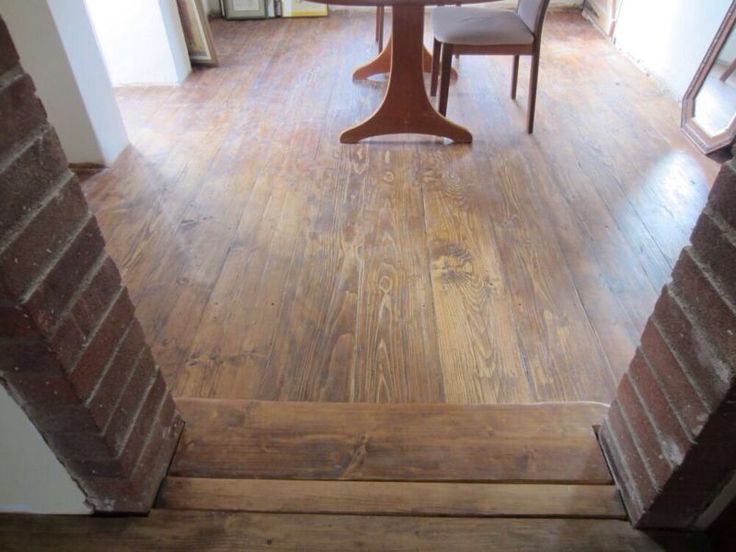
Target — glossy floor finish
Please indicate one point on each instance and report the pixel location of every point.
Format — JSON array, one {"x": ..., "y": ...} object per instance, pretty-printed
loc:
[{"x": 268, "y": 261}]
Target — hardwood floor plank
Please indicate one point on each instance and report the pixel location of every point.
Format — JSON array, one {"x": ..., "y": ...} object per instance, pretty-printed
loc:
[
  {"x": 477, "y": 340},
  {"x": 392, "y": 498},
  {"x": 395, "y": 442},
  {"x": 397, "y": 359},
  {"x": 187, "y": 530},
  {"x": 312, "y": 348},
  {"x": 562, "y": 353}
]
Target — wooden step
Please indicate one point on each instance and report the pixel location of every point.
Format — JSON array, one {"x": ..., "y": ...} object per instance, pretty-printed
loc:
[
  {"x": 189, "y": 530},
  {"x": 539, "y": 443},
  {"x": 392, "y": 498}
]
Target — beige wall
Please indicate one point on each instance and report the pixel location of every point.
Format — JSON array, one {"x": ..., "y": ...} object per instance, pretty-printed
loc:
[{"x": 31, "y": 479}]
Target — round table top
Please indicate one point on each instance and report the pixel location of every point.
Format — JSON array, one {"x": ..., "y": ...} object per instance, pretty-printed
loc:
[{"x": 399, "y": 2}]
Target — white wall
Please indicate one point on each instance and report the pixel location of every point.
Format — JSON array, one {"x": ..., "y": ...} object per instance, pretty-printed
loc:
[
  {"x": 212, "y": 7},
  {"x": 141, "y": 41},
  {"x": 669, "y": 38},
  {"x": 31, "y": 479},
  {"x": 57, "y": 47}
]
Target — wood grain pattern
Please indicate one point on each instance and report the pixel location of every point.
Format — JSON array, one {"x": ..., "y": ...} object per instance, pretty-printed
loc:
[
  {"x": 405, "y": 442},
  {"x": 392, "y": 498},
  {"x": 477, "y": 336},
  {"x": 258, "y": 249},
  {"x": 188, "y": 530}
]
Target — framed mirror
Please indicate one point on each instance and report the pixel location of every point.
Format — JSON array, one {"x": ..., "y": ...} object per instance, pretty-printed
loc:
[{"x": 709, "y": 105}]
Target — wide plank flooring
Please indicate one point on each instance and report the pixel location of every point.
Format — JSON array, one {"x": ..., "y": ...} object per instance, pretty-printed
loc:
[
  {"x": 268, "y": 261},
  {"x": 204, "y": 530}
]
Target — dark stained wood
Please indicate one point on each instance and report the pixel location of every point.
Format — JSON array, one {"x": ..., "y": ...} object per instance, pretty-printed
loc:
[
  {"x": 381, "y": 64},
  {"x": 392, "y": 498},
  {"x": 250, "y": 239},
  {"x": 405, "y": 107},
  {"x": 411, "y": 442},
  {"x": 189, "y": 530}
]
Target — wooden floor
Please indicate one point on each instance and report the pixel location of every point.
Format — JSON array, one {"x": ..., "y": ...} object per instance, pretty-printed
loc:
[
  {"x": 255, "y": 475},
  {"x": 268, "y": 261}
]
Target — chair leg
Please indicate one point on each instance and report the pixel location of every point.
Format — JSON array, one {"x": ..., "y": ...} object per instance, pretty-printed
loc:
[
  {"x": 380, "y": 17},
  {"x": 436, "y": 52},
  {"x": 445, "y": 78},
  {"x": 533, "y": 80},
  {"x": 514, "y": 77}
]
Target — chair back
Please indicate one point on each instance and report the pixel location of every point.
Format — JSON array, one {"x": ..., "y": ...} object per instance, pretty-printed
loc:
[{"x": 532, "y": 13}]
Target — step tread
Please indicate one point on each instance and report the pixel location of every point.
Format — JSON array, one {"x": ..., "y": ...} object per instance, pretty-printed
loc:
[
  {"x": 392, "y": 498},
  {"x": 202, "y": 530},
  {"x": 549, "y": 442}
]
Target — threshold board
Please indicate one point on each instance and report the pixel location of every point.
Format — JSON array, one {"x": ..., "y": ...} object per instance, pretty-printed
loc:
[{"x": 539, "y": 443}]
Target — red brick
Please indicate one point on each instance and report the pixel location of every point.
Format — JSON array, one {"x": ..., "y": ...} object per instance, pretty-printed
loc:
[
  {"x": 716, "y": 249},
  {"x": 715, "y": 316},
  {"x": 89, "y": 304},
  {"x": 97, "y": 296},
  {"x": 8, "y": 55},
  {"x": 29, "y": 178},
  {"x": 619, "y": 471},
  {"x": 57, "y": 418},
  {"x": 78, "y": 463},
  {"x": 52, "y": 296},
  {"x": 22, "y": 112},
  {"x": 710, "y": 373},
  {"x": 41, "y": 241},
  {"x": 143, "y": 425},
  {"x": 133, "y": 393},
  {"x": 87, "y": 372},
  {"x": 15, "y": 322},
  {"x": 722, "y": 198},
  {"x": 636, "y": 481},
  {"x": 700, "y": 478},
  {"x": 674, "y": 378},
  {"x": 103, "y": 402},
  {"x": 47, "y": 390},
  {"x": 675, "y": 441},
  {"x": 659, "y": 460},
  {"x": 26, "y": 356},
  {"x": 153, "y": 463},
  {"x": 85, "y": 447}
]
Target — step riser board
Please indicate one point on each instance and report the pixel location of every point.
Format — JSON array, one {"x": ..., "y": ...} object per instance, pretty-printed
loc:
[
  {"x": 540, "y": 443},
  {"x": 392, "y": 498}
]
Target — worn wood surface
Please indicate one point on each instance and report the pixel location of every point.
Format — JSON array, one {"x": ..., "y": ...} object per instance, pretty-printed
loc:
[
  {"x": 268, "y": 261},
  {"x": 392, "y": 498},
  {"x": 402, "y": 442},
  {"x": 189, "y": 530}
]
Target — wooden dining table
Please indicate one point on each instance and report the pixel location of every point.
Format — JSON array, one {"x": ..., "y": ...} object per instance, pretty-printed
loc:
[{"x": 405, "y": 108}]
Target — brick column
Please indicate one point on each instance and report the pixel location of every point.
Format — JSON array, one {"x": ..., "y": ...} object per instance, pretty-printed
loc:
[
  {"x": 670, "y": 435},
  {"x": 72, "y": 353}
]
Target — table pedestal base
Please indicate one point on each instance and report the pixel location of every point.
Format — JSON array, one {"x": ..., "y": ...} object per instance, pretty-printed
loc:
[
  {"x": 405, "y": 107},
  {"x": 382, "y": 63}
]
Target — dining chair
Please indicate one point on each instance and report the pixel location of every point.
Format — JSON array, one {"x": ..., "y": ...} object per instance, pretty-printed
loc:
[{"x": 482, "y": 31}]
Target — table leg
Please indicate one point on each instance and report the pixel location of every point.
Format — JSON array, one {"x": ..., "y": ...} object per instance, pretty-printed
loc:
[
  {"x": 405, "y": 107},
  {"x": 382, "y": 63}
]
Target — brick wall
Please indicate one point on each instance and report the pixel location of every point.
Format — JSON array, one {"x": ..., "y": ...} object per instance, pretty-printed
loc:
[
  {"x": 670, "y": 435},
  {"x": 72, "y": 353}
]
